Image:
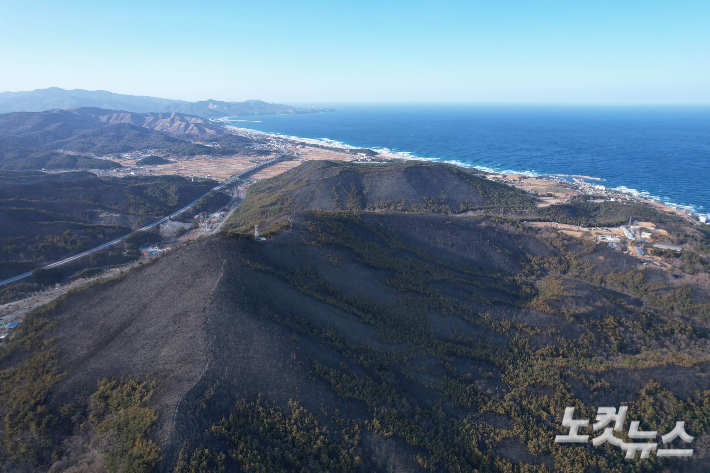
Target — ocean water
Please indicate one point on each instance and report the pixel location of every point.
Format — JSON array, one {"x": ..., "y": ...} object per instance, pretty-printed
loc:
[{"x": 659, "y": 152}]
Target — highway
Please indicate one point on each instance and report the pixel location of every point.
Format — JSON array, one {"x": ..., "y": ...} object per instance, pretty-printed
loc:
[{"x": 147, "y": 227}]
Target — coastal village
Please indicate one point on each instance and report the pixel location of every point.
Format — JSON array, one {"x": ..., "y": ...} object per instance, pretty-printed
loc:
[
  {"x": 638, "y": 239},
  {"x": 643, "y": 240}
]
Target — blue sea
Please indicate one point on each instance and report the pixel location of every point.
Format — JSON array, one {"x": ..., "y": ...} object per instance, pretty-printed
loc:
[{"x": 658, "y": 152}]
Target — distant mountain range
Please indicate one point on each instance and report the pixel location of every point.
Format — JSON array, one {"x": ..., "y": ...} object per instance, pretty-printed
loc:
[
  {"x": 56, "y": 98},
  {"x": 36, "y": 140}
]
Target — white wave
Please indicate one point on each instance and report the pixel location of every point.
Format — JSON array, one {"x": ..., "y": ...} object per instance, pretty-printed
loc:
[
  {"x": 693, "y": 209},
  {"x": 530, "y": 173},
  {"x": 626, "y": 190}
]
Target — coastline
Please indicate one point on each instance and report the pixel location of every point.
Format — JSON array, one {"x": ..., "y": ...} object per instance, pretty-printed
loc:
[{"x": 577, "y": 181}]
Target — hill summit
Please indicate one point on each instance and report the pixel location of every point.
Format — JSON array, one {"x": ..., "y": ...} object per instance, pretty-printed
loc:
[{"x": 406, "y": 187}]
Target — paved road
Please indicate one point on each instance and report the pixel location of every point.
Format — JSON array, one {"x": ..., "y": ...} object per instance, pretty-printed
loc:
[
  {"x": 226, "y": 217},
  {"x": 147, "y": 227}
]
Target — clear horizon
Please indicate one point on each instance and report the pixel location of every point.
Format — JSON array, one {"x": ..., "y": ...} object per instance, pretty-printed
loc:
[{"x": 508, "y": 53}]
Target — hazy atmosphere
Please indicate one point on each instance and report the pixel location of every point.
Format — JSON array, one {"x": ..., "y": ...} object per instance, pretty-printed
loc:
[{"x": 420, "y": 51}]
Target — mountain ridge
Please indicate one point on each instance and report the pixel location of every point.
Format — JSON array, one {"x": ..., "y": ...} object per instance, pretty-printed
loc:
[
  {"x": 39, "y": 100},
  {"x": 42, "y": 128},
  {"x": 404, "y": 187},
  {"x": 26, "y": 137}
]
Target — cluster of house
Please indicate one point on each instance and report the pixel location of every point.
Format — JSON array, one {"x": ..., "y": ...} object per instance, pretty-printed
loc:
[{"x": 637, "y": 238}]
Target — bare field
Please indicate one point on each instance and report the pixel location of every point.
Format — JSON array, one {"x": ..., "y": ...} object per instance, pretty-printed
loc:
[
  {"x": 304, "y": 154},
  {"x": 572, "y": 233},
  {"x": 221, "y": 168},
  {"x": 217, "y": 168},
  {"x": 539, "y": 187},
  {"x": 578, "y": 231}
]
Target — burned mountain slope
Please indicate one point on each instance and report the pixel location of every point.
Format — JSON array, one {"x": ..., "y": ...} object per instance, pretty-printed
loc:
[
  {"x": 46, "y": 217},
  {"x": 420, "y": 187},
  {"x": 357, "y": 342},
  {"x": 416, "y": 187}
]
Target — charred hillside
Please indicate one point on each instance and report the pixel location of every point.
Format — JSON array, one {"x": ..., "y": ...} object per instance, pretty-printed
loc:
[
  {"x": 419, "y": 187},
  {"x": 46, "y": 217},
  {"x": 416, "y": 187},
  {"x": 357, "y": 341}
]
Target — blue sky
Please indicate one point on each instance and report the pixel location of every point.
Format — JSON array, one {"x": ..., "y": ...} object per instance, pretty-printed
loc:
[{"x": 365, "y": 51}]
